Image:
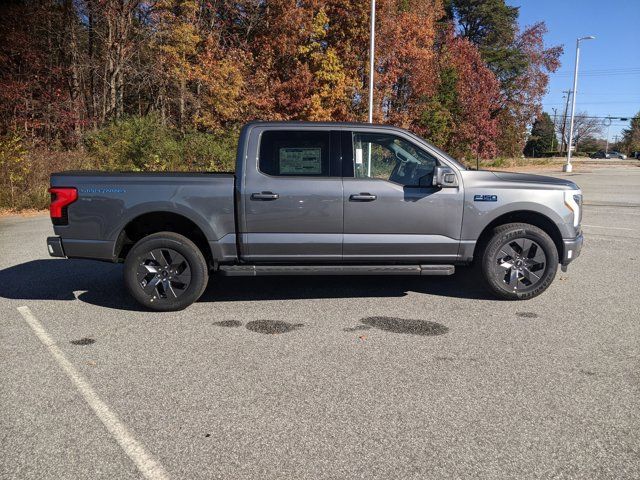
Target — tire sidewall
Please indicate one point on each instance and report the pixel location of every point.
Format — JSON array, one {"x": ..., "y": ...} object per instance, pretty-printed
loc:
[
  {"x": 512, "y": 232},
  {"x": 182, "y": 245}
]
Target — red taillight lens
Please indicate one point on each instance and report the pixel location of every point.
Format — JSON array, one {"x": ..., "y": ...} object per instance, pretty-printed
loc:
[{"x": 61, "y": 197}]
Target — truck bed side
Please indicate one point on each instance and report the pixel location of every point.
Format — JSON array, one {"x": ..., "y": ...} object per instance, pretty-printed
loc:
[{"x": 109, "y": 202}]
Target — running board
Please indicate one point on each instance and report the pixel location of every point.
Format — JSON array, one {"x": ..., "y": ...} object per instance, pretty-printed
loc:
[{"x": 261, "y": 270}]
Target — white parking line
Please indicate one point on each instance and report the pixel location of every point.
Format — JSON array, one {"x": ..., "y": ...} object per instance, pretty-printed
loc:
[
  {"x": 147, "y": 465},
  {"x": 610, "y": 228}
]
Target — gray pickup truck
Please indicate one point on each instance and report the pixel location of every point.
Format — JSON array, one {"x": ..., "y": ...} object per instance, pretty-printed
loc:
[{"x": 319, "y": 199}]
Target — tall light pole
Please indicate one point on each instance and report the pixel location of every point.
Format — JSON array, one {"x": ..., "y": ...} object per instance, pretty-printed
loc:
[
  {"x": 372, "y": 48},
  {"x": 372, "y": 53},
  {"x": 568, "y": 167}
]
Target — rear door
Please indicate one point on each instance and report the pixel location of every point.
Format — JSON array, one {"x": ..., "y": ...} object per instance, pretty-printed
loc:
[
  {"x": 292, "y": 196},
  {"x": 392, "y": 212}
]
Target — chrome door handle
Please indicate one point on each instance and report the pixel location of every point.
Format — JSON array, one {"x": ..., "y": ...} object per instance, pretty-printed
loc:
[
  {"x": 264, "y": 196},
  {"x": 362, "y": 197}
]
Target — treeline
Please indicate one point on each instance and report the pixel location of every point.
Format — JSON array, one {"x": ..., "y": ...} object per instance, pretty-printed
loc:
[
  {"x": 550, "y": 136},
  {"x": 459, "y": 72}
]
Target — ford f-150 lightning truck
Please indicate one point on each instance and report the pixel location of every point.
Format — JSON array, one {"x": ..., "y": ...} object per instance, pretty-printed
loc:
[{"x": 319, "y": 199}]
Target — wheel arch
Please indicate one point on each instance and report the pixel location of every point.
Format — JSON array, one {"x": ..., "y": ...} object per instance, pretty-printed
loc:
[
  {"x": 522, "y": 216},
  {"x": 148, "y": 223}
]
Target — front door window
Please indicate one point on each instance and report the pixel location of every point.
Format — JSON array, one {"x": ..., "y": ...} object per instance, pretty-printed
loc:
[{"x": 391, "y": 158}]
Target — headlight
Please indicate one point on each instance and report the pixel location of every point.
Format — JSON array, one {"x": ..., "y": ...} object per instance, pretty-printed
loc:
[{"x": 573, "y": 200}]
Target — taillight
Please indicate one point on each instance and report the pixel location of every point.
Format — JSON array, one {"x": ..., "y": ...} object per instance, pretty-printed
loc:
[{"x": 61, "y": 198}]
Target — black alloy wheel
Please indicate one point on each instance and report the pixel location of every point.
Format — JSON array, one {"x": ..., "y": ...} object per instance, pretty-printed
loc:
[
  {"x": 165, "y": 271},
  {"x": 518, "y": 261},
  {"x": 521, "y": 263}
]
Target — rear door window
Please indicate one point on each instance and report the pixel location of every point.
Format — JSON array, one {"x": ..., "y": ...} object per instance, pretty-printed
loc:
[{"x": 297, "y": 153}]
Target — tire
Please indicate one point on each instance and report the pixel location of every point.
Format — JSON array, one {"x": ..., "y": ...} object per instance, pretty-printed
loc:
[
  {"x": 165, "y": 272},
  {"x": 519, "y": 261}
]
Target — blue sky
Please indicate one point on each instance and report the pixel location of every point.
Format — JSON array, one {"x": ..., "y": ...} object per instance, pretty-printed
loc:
[{"x": 609, "y": 74}]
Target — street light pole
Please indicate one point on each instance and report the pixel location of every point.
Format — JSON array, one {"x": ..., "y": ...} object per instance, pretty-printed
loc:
[
  {"x": 372, "y": 50},
  {"x": 568, "y": 167},
  {"x": 372, "y": 47}
]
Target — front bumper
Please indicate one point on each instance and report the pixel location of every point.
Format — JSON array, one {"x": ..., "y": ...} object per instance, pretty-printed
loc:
[{"x": 572, "y": 248}]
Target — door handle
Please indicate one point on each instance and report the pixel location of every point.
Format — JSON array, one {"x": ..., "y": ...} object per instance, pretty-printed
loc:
[
  {"x": 264, "y": 196},
  {"x": 362, "y": 197}
]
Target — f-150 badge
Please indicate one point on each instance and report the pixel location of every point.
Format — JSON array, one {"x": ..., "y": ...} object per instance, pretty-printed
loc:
[{"x": 485, "y": 198}]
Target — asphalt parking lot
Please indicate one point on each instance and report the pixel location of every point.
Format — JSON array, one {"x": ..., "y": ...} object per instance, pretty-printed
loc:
[{"x": 318, "y": 378}]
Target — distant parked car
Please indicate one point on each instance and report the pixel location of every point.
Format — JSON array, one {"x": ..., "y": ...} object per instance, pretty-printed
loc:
[
  {"x": 614, "y": 154},
  {"x": 635, "y": 155},
  {"x": 600, "y": 154}
]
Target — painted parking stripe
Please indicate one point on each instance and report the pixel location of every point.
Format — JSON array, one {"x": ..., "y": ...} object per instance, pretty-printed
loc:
[
  {"x": 147, "y": 465},
  {"x": 612, "y": 228}
]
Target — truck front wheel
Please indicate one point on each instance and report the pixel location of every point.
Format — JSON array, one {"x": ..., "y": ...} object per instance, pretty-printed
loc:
[
  {"x": 519, "y": 261},
  {"x": 165, "y": 271}
]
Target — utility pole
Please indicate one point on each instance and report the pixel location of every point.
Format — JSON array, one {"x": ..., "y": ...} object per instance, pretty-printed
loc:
[
  {"x": 568, "y": 167},
  {"x": 555, "y": 111},
  {"x": 564, "y": 120},
  {"x": 608, "y": 123}
]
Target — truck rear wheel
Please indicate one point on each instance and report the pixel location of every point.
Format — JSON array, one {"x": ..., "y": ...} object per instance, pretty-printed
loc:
[
  {"x": 165, "y": 271},
  {"x": 519, "y": 261}
]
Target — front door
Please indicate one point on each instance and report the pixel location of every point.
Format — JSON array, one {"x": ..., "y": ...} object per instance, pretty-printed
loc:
[
  {"x": 391, "y": 210},
  {"x": 292, "y": 198}
]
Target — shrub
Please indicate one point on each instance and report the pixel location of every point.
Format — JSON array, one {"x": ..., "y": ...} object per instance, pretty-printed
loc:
[
  {"x": 207, "y": 152},
  {"x": 25, "y": 172},
  {"x": 146, "y": 144},
  {"x": 14, "y": 168},
  {"x": 135, "y": 144}
]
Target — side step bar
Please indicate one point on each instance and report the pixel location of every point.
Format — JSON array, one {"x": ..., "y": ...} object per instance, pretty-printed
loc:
[{"x": 260, "y": 270}]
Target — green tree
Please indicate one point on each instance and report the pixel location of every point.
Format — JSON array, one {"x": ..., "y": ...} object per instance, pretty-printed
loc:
[
  {"x": 492, "y": 26},
  {"x": 542, "y": 138},
  {"x": 631, "y": 135}
]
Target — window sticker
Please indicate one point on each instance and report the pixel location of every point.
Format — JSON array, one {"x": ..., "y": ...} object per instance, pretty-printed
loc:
[
  {"x": 359, "y": 156},
  {"x": 301, "y": 161}
]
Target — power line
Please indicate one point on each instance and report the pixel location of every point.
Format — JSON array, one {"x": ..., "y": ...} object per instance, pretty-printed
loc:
[
  {"x": 602, "y": 72},
  {"x": 599, "y": 102},
  {"x": 630, "y": 94},
  {"x": 611, "y": 117},
  {"x": 607, "y": 69}
]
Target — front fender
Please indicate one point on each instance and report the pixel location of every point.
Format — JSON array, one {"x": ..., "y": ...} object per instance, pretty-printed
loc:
[{"x": 478, "y": 215}]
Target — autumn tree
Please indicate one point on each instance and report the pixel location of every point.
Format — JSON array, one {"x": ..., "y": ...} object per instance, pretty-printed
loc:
[
  {"x": 460, "y": 72},
  {"x": 35, "y": 98},
  {"x": 332, "y": 87},
  {"x": 176, "y": 43},
  {"x": 519, "y": 59}
]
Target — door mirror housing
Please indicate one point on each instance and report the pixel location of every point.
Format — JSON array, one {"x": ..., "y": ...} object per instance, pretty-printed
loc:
[{"x": 444, "y": 177}]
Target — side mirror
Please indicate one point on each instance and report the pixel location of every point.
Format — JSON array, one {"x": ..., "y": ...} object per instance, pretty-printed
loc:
[{"x": 444, "y": 177}]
